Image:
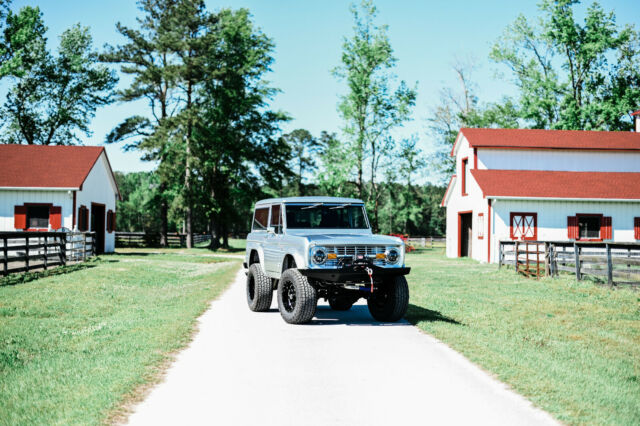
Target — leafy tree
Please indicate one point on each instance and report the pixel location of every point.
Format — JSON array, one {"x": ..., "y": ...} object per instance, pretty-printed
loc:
[
  {"x": 371, "y": 108},
  {"x": 304, "y": 149},
  {"x": 54, "y": 97},
  {"x": 572, "y": 75},
  {"x": 410, "y": 163},
  {"x": 234, "y": 135},
  {"x": 337, "y": 164},
  {"x": 148, "y": 57}
]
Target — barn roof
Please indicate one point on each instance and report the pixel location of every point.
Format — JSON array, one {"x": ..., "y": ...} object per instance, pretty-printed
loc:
[
  {"x": 41, "y": 166},
  {"x": 550, "y": 139},
  {"x": 559, "y": 185}
]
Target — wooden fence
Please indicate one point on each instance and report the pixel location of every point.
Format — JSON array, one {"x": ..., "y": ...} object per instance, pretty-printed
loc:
[
  {"x": 429, "y": 242},
  {"x": 25, "y": 251},
  {"x": 144, "y": 239},
  {"x": 613, "y": 263}
]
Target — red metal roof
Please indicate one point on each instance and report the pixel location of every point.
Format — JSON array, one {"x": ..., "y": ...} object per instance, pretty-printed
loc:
[
  {"x": 38, "y": 166},
  {"x": 551, "y": 139},
  {"x": 552, "y": 184}
]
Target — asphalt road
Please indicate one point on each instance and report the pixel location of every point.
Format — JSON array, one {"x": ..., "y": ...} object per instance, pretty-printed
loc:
[{"x": 246, "y": 368}]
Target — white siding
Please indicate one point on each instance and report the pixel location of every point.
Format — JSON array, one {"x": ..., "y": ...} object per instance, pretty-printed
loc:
[
  {"x": 474, "y": 202},
  {"x": 11, "y": 198},
  {"x": 552, "y": 218},
  {"x": 99, "y": 188},
  {"x": 564, "y": 160}
]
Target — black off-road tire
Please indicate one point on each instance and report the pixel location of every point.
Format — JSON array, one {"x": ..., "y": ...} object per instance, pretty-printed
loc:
[
  {"x": 341, "y": 303},
  {"x": 390, "y": 301},
  {"x": 297, "y": 299},
  {"x": 259, "y": 291}
]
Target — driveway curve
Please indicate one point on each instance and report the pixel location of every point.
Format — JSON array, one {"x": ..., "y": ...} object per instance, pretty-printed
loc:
[{"x": 246, "y": 368}]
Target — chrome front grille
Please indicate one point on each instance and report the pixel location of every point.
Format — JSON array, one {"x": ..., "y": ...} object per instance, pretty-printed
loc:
[{"x": 351, "y": 251}]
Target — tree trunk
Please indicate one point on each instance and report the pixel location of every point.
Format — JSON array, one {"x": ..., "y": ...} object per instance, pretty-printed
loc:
[
  {"x": 214, "y": 244},
  {"x": 164, "y": 213},
  {"x": 187, "y": 172}
]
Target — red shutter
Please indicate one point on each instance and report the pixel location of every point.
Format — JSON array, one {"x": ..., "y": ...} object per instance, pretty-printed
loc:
[
  {"x": 55, "y": 217},
  {"x": 109, "y": 221},
  {"x": 113, "y": 222},
  {"x": 82, "y": 218},
  {"x": 572, "y": 227},
  {"x": 605, "y": 228},
  {"x": 636, "y": 227},
  {"x": 20, "y": 217}
]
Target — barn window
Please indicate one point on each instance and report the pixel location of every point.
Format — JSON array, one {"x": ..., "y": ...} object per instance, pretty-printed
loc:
[
  {"x": 589, "y": 227},
  {"x": 480, "y": 226},
  {"x": 260, "y": 218},
  {"x": 38, "y": 217},
  {"x": 111, "y": 221},
  {"x": 465, "y": 171},
  {"x": 83, "y": 218},
  {"x": 524, "y": 226}
]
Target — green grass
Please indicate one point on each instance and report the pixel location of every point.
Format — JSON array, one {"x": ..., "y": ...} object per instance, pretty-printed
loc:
[
  {"x": 571, "y": 348},
  {"x": 76, "y": 346}
]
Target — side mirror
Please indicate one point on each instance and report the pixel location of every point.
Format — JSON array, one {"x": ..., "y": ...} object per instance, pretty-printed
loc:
[{"x": 271, "y": 230}]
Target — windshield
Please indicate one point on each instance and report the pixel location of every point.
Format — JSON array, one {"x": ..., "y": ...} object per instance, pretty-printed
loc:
[{"x": 326, "y": 216}]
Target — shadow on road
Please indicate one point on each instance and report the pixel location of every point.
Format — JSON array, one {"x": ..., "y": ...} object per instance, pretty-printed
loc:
[
  {"x": 357, "y": 315},
  {"x": 416, "y": 314}
]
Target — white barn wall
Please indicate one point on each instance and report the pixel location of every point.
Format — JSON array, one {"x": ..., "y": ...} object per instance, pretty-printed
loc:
[
  {"x": 474, "y": 202},
  {"x": 552, "y": 218},
  {"x": 11, "y": 198},
  {"x": 99, "y": 187},
  {"x": 565, "y": 160}
]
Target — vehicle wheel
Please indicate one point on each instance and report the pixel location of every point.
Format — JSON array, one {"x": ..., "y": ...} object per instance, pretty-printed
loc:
[
  {"x": 390, "y": 302},
  {"x": 259, "y": 291},
  {"x": 297, "y": 299},
  {"x": 341, "y": 303}
]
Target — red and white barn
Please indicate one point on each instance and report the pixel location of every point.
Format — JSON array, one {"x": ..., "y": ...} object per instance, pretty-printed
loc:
[
  {"x": 546, "y": 185},
  {"x": 50, "y": 188}
]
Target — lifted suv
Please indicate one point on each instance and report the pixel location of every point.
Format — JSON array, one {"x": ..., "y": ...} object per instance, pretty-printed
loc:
[{"x": 309, "y": 248}]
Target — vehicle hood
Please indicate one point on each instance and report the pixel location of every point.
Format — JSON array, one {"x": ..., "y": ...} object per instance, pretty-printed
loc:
[{"x": 351, "y": 239}]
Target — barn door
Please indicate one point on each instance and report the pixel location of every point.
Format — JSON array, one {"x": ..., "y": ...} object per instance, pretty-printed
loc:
[{"x": 466, "y": 234}]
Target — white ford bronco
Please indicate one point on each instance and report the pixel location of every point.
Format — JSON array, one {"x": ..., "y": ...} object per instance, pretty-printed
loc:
[{"x": 309, "y": 248}]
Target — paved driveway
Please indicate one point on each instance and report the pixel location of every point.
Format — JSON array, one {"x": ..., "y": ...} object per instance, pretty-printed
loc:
[{"x": 246, "y": 368}]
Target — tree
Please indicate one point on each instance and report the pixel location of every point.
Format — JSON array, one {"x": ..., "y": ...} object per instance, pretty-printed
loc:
[
  {"x": 371, "y": 108},
  {"x": 304, "y": 148},
  {"x": 409, "y": 163},
  {"x": 572, "y": 75},
  {"x": 338, "y": 163},
  {"x": 234, "y": 135},
  {"x": 460, "y": 108},
  {"x": 148, "y": 57},
  {"x": 54, "y": 98}
]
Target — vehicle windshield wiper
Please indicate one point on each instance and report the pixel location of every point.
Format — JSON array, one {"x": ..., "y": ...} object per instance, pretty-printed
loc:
[
  {"x": 340, "y": 206},
  {"x": 312, "y": 206}
]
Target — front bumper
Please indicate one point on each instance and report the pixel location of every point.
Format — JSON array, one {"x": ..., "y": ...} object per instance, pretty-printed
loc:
[{"x": 351, "y": 274}]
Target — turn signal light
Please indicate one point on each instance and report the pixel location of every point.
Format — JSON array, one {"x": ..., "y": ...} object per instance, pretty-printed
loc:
[
  {"x": 332, "y": 256},
  {"x": 380, "y": 256}
]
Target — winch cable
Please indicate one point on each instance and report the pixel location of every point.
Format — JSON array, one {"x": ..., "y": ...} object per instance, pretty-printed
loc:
[{"x": 370, "y": 272}]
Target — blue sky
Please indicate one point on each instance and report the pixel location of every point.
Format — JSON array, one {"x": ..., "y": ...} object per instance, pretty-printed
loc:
[{"x": 426, "y": 35}]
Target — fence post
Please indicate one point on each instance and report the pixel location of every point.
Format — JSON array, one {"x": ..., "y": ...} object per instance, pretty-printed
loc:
[
  {"x": 547, "y": 263},
  {"x": 5, "y": 241},
  {"x": 500, "y": 251},
  {"x": 93, "y": 244},
  {"x": 517, "y": 264},
  {"x": 26, "y": 242},
  {"x": 46, "y": 241},
  {"x": 576, "y": 250},
  {"x": 63, "y": 248},
  {"x": 609, "y": 266}
]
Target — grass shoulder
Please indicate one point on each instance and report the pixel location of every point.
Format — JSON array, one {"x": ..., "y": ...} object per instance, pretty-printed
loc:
[{"x": 77, "y": 346}]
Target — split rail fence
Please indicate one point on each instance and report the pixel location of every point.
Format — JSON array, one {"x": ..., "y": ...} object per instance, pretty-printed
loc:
[
  {"x": 613, "y": 263},
  {"x": 430, "y": 242},
  {"x": 26, "y": 251},
  {"x": 144, "y": 239}
]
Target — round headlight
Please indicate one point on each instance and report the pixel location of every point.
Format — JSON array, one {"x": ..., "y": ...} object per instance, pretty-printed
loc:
[
  {"x": 318, "y": 255},
  {"x": 393, "y": 255}
]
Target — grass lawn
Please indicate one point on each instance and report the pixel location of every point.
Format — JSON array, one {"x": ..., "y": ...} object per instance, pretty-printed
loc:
[
  {"x": 75, "y": 346},
  {"x": 571, "y": 348}
]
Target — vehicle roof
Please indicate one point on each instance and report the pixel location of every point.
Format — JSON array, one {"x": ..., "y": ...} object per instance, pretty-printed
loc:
[{"x": 310, "y": 200}]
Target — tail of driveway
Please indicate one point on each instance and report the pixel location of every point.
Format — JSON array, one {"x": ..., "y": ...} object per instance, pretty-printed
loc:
[{"x": 246, "y": 368}]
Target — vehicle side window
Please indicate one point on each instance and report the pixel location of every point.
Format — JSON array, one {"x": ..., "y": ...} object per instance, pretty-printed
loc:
[
  {"x": 260, "y": 218},
  {"x": 276, "y": 218}
]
